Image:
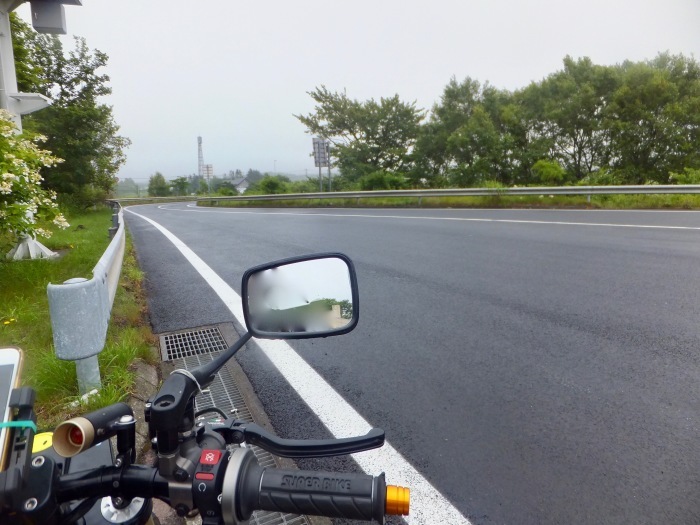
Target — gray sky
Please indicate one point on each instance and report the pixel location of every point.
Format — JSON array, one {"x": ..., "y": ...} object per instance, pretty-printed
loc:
[{"x": 235, "y": 72}]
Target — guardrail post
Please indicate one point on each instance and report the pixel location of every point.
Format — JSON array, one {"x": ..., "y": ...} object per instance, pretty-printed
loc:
[
  {"x": 80, "y": 310},
  {"x": 88, "y": 372},
  {"x": 115, "y": 224},
  {"x": 77, "y": 321}
]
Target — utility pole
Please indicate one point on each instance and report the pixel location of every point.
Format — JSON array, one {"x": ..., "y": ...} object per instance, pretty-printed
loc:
[{"x": 200, "y": 153}]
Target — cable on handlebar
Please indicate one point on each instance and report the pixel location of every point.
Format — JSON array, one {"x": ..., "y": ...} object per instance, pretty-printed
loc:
[
  {"x": 209, "y": 410},
  {"x": 79, "y": 511}
]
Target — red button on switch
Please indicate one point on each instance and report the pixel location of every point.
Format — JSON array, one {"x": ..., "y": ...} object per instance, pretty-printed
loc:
[
  {"x": 210, "y": 457},
  {"x": 207, "y": 476}
]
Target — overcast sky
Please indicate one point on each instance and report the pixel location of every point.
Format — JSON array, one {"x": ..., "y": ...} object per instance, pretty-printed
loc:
[{"x": 235, "y": 72}]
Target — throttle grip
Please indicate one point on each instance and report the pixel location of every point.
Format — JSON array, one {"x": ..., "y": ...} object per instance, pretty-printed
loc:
[{"x": 248, "y": 487}]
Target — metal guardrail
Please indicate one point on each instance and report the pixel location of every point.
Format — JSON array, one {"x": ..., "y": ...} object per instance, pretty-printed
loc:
[
  {"x": 459, "y": 192},
  {"x": 80, "y": 309},
  {"x": 142, "y": 200},
  {"x": 473, "y": 192}
]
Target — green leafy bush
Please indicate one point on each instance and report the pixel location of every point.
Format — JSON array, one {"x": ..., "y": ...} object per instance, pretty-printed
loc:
[
  {"x": 26, "y": 208},
  {"x": 549, "y": 172},
  {"x": 689, "y": 176},
  {"x": 381, "y": 180},
  {"x": 602, "y": 177}
]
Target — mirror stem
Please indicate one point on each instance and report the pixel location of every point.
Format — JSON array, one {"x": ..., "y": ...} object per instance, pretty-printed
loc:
[{"x": 205, "y": 373}]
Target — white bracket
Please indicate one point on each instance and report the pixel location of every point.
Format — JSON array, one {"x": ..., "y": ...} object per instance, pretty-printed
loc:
[{"x": 23, "y": 103}]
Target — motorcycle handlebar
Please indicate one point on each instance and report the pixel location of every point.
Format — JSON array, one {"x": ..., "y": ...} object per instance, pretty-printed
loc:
[
  {"x": 130, "y": 482},
  {"x": 248, "y": 487}
]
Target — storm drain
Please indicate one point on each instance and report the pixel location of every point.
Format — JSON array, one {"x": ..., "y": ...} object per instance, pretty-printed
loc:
[
  {"x": 194, "y": 342},
  {"x": 223, "y": 394}
]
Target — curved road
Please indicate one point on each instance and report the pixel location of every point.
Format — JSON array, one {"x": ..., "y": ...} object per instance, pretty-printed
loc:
[{"x": 534, "y": 366}]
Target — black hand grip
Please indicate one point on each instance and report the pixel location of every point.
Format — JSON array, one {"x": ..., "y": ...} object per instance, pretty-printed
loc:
[
  {"x": 248, "y": 487},
  {"x": 332, "y": 494}
]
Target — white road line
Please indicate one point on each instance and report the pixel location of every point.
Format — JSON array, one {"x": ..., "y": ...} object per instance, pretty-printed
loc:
[
  {"x": 458, "y": 219},
  {"x": 427, "y": 504}
]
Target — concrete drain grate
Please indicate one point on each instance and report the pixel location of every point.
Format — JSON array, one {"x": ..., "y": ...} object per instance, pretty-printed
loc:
[
  {"x": 224, "y": 394},
  {"x": 193, "y": 342}
]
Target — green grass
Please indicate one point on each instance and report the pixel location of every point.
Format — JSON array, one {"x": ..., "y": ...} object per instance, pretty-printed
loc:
[
  {"x": 686, "y": 202},
  {"x": 25, "y": 321}
]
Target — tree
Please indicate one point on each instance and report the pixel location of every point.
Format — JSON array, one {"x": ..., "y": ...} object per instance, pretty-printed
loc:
[
  {"x": 78, "y": 127},
  {"x": 654, "y": 119},
  {"x": 309, "y": 185},
  {"x": 157, "y": 185},
  {"x": 366, "y": 136},
  {"x": 26, "y": 208},
  {"x": 474, "y": 134},
  {"x": 253, "y": 176},
  {"x": 548, "y": 172},
  {"x": 567, "y": 111},
  {"x": 29, "y": 74},
  {"x": 194, "y": 183},
  {"x": 127, "y": 188},
  {"x": 474, "y": 147},
  {"x": 226, "y": 188},
  {"x": 270, "y": 185},
  {"x": 181, "y": 185}
]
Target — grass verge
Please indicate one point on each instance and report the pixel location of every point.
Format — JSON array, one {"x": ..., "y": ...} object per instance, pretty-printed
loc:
[
  {"x": 25, "y": 321},
  {"x": 683, "y": 202}
]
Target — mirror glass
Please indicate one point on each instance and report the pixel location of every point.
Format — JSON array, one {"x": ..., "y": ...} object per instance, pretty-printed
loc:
[{"x": 307, "y": 297}]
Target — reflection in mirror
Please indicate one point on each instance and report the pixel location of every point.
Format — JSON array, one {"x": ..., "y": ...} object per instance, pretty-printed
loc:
[{"x": 310, "y": 296}]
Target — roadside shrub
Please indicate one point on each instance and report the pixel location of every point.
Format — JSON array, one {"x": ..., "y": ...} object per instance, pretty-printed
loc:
[
  {"x": 269, "y": 185},
  {"x": 602, "y": 177},
  {"x": 689, "y": 176},
  {"x": 26, "y": 208},
  {"x": 549, "y": 172},
  {"x": 381, "y": 180}
]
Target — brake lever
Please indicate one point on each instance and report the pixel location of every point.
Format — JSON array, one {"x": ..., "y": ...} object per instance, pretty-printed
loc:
[{"x": 238, "y": 431}]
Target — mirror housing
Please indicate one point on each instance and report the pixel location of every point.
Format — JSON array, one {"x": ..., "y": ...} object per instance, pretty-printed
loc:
[{"x": 301, "y": 297}]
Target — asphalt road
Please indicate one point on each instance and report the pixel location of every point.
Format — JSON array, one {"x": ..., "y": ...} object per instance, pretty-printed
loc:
[{"x": 534, "y": 366}]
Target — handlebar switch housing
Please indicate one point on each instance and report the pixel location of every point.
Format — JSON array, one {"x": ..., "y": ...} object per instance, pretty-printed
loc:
[{"x": 207, "y": 484}]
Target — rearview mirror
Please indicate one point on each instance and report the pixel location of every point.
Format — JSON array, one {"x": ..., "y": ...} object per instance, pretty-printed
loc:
[{"x": 302, "y": 297}]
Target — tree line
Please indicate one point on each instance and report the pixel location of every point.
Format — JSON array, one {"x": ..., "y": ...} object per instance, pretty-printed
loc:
[
  {"x": 159, "y": 186},
  {"x": 631, "y": 123},
  {"x": 258, "y": 184}
]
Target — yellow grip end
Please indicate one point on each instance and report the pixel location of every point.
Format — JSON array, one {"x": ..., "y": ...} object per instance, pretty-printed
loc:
[{"x": 398, "y": 500}]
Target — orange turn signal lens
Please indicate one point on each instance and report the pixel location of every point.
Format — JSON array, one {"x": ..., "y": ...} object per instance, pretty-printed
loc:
[{"x": 398, "y": 500}]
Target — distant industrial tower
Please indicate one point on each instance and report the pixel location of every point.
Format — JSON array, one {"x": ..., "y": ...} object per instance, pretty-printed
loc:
[{"x": 201, "y": 157}]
